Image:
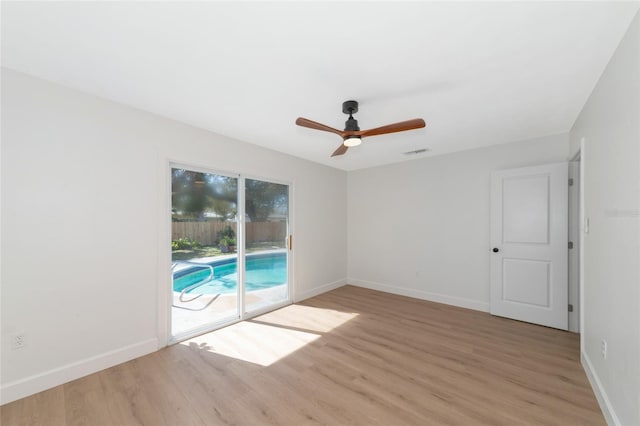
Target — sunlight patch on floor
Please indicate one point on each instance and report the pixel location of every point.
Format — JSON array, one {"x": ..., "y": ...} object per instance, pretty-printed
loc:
[
  {"x": 256, "y": 343},
  {"x": 273, "y": 336},
  {"x": 307, "y": 317}
]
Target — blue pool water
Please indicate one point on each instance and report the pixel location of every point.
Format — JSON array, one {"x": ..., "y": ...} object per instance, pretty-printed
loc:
[{"x": 263, "y": 270}]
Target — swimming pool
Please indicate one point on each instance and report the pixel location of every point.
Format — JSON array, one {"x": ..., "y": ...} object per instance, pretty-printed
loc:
[{"x": 263, "y": 270}]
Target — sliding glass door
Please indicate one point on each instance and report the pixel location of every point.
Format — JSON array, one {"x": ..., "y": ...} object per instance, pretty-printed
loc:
[
  {"x": 225, "y": 269},
  {"x": 205, "y": 290},
  {"x": 266, "y": 245}
]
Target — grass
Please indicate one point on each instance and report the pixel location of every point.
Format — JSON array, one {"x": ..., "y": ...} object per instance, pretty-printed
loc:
[{"x": 210, "y": 251}]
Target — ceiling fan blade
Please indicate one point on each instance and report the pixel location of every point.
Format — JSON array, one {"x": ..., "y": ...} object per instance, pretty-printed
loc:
[
  {"x": 416, "y": 123},
  {"x": 341, "y": 150},
  {"x": 317, "y": 126}
]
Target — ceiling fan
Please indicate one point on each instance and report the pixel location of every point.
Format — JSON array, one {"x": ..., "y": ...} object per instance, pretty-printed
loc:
[{"x": 352, "y": 135}]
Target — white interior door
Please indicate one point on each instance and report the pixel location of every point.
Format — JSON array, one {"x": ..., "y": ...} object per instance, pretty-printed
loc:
[{"x": 529, "y": 237}]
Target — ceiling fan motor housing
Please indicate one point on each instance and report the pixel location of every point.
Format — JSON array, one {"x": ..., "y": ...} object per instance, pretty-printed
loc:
[
  {"x": 351, "y": 125},
  {"x": 350, "y": 107}
]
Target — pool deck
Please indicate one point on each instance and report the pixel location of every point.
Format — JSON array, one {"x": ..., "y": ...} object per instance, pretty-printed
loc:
[
  {"x": 210, "y": 259},
  {"x": 224, "y": 308}
]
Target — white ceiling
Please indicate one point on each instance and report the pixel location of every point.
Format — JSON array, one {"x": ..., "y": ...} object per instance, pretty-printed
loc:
[{"x": 478, "y": 73}]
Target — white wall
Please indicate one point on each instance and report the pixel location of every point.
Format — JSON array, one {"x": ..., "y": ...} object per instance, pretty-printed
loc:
[
  {"x": 610, "y": 126},
  {"x": 421, "y": 228},
  {"x": 85, "y": 226}
]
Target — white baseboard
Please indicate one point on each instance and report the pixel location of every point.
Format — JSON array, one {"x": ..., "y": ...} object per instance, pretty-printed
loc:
[
  {"x": 319, "y": 290},
  {"x": 603, "y": 400},
  {"x": 13, "y": 391},
  {"x": 424, "y": 295}
]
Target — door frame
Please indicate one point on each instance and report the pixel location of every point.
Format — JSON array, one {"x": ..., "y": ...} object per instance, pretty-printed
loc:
[
  {"x": 163, "y": 278},
  {"x": 582, "y": 155},
  {"x": 575, "y": 236}
]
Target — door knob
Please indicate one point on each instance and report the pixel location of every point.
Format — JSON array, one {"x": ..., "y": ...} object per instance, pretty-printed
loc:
[{"x": 496, "y": 249}]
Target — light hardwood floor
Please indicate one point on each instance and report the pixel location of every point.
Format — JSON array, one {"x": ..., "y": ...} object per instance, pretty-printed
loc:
[{"x": 351, "y": 356}]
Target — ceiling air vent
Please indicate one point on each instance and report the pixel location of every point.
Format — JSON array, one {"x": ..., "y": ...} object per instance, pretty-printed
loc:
[{"x": 416, "y": 151}]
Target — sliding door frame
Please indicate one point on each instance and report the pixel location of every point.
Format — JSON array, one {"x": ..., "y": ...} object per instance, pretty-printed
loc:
[
  {"x": 290, "y": 282},
  {"x": 176, "y": 338},
  {"x": 165, "y": 336}
]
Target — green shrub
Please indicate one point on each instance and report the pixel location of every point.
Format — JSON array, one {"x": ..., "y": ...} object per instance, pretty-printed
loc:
[
  {"x": 184, "y": 244},
  {"x": 227, "y": 241},
  {"x": 225, "y": 235}
]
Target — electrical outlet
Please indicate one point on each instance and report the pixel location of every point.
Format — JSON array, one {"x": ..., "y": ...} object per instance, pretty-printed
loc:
[
  {"x": 604, "y": 349},
  {"x": 18, "y": 340}
]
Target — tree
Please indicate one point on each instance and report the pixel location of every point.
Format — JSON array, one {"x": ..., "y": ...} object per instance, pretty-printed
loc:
[
  {"x": 262, "y": 198},
  {"x": 194, "y": 193}
]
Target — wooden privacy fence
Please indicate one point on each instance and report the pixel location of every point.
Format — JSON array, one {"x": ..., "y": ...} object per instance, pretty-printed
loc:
[{"x": 206, "y": 232}]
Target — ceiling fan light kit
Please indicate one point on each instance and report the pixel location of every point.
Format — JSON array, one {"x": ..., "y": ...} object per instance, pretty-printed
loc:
[
  {"x": 352, "y": 141},
  {"x": 352, "y": 135}
]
